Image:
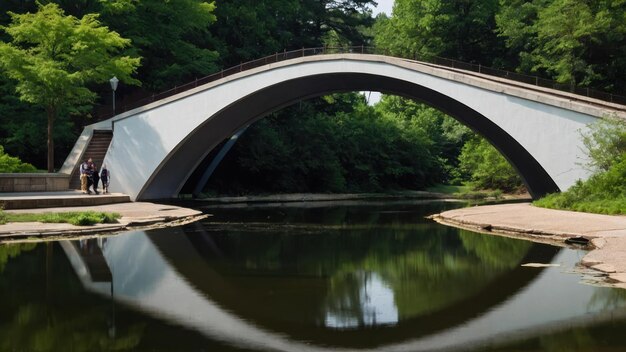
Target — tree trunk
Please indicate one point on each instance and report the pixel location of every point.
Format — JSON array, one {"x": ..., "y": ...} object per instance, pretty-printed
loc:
[{"x": 51, "y": 111}]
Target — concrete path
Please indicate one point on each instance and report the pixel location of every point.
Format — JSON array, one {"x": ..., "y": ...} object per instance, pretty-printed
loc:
[
  {"x": 70, "y": 198},
  {"x": 607, "y": 233},
  {"x": 134, "y": 215}
]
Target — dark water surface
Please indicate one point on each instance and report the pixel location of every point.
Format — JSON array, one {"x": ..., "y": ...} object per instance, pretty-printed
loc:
[{"x": 304, "y": 277}]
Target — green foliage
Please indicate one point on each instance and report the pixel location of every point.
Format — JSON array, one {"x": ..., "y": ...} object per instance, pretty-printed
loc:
[
  {"x": 250, "y": 29},
  {"x": 581, "y": 52},
  {"x": 3, "y": 216},
  {"x": 350, "y": 146},
  {"x": 446, "y": 134},
  {"x": 448, "y": 189},
  {"x": 83, "y": 218},
  {"x": 605, "y": 143},
  {"x": 171, "y": 36},
  {"x": 458, "y": 29},
  {"x": 10, "y": 164},
  {"x": 8, "y": 252},
  {"x": 603, "y": 193},
  {"x": 486, "y": 168},
  {"x": 53, "y": 57}
]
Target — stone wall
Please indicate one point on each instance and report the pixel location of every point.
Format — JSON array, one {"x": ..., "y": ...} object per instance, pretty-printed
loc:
[{"x": 34, "y": 182}]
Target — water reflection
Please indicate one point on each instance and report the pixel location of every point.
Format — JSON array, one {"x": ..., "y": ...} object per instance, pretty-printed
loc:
[
  {"x": 373, "y": 303},
  {"x": 297, "y": 280}
]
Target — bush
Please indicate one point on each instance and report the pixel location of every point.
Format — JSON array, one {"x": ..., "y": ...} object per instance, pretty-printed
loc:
[
  {"x": 603, "y": 193},
  {"x": 605, "y": 142},
  {"x": 10, "y": 164},
  {"x": 486, "y": 168},
  {"x": 90, "y": 218}
]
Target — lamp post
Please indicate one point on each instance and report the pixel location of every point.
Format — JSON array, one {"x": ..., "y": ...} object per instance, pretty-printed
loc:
[{"x": 114, "y": 81}]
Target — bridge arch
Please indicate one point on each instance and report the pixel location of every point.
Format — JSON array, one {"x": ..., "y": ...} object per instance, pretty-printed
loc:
[{"x": 156, "y": 148}]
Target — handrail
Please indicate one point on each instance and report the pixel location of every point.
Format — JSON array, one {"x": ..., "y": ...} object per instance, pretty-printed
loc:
[{"x": 288, "y": 55}]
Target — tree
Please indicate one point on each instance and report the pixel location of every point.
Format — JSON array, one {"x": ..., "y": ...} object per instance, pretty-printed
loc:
[
  {"x": 172, "y": 37},
  {"x": 579, "y": 43},
  {"x": 53, "y": 57},
  {"x": 250, "y": 29},
  {"x": 487, "y": 168},
  {"x": 458, "y": 29},
  {"x": 605, "y": 143}
]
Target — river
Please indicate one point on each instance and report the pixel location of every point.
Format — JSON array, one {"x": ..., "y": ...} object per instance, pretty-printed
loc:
[{"x": 320, "y": 276}]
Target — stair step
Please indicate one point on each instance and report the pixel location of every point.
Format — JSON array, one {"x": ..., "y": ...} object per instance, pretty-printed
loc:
[{"x": 96, "y": 150}]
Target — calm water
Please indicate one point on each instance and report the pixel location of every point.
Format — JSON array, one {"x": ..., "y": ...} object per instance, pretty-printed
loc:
[{"x": 323, "y": 277}]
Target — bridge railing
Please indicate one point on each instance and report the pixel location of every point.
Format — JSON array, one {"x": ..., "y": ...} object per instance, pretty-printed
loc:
[{"x": 104, "y": 113}]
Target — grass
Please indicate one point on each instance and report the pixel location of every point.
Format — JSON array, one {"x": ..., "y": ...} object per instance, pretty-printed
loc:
[
  {"x": 614, "y": 206},
  {"x": 449, "y": 189},
  {"x": 465, "y": 192},
  {"x": 602, "y": 193},
  {"x": 78, "y": 218}
]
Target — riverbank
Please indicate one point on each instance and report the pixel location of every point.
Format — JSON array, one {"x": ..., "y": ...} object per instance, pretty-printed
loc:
[
  {"x": 606, "y": 233},
  {"x": 325, "y": 197},
  {"x": 134, "y": 216}
]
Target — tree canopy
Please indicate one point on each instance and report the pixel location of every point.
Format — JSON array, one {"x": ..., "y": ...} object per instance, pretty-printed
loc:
[{"x": 52, "y": 58}]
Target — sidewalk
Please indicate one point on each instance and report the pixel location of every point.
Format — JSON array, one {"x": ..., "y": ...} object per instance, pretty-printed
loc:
[
  {"x": 134, "y": 215},
  {"x": 607, "y": 233},
  {"x": 70, "y": 198}
]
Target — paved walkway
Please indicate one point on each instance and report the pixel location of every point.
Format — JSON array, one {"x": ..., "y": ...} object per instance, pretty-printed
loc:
[
  {"x": 607, "y": 233},
  {"x": 139, "y": 214},
  {"x": 70, "y": 198}
]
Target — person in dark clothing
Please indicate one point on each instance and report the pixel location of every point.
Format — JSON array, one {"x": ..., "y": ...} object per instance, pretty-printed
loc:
[
  {"x": 89, "y": 173},
  {"x": 105, "y": 176},
  {"x": 95, "y": 178}
]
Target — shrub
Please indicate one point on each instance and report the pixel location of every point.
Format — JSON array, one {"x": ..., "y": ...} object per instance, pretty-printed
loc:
[
  {"x": 10, "y": 164},
  {"x": 486, "y": 168},
  {"x": 603, "y": 193}
]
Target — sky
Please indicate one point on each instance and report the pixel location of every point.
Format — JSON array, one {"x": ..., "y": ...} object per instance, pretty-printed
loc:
[
  {"x": 386, "y": 7},
  {"x": 383, "y": 6}
]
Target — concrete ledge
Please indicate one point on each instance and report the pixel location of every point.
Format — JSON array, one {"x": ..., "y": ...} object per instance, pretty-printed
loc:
[
  {"x": 34, "y": 182},
  {"x": 606, "y": 232},
  {"x": 135, "y": 216},
  {"x": 59, "y": 199}
]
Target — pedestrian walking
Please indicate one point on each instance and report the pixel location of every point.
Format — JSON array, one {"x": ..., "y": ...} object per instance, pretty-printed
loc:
[
  {"x": 95, "y": 178},
  {"x": 83, "y": 176},
  {"x": 89, "y": 173},
  {"x": 105, "y": 177}
]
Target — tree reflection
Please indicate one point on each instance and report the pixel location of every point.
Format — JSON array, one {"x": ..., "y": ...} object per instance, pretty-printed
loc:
[
  {"x": 426, "y": 277},
  {"x": 12, "y": 251},
  {"x": 44, "y": 307},
  {"x": 426, "y": 267}
]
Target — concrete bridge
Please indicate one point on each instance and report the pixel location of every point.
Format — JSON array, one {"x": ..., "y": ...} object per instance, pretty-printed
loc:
[{"x": 155, "y": 148}]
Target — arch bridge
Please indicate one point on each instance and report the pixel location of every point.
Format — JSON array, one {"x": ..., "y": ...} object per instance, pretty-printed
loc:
[{"x": 156, "y": 147}]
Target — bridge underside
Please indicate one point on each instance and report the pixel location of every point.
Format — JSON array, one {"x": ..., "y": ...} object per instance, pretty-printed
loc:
[{"x": 176, "y": 168}]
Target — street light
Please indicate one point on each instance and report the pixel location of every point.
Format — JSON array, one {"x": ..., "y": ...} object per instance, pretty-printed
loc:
[{"x": 114, "y": 81}]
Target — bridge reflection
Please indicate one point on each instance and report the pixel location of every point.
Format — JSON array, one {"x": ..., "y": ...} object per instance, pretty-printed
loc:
[{"x": 295, "y": 292}]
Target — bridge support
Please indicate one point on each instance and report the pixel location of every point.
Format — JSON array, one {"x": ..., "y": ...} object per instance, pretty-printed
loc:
[{"x": 216, "y": 161}]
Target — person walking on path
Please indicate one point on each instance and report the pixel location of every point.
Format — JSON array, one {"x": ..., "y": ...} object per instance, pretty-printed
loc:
[
  {"x": 83, "y": 176},
  {"x": 95, "y": 178},
  {"x": 89, "y": 173},
  {"x": 105, "y": 177}
]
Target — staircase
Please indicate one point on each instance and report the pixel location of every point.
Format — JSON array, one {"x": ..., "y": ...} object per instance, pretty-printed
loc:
[{"x": 96, "y": 150}]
